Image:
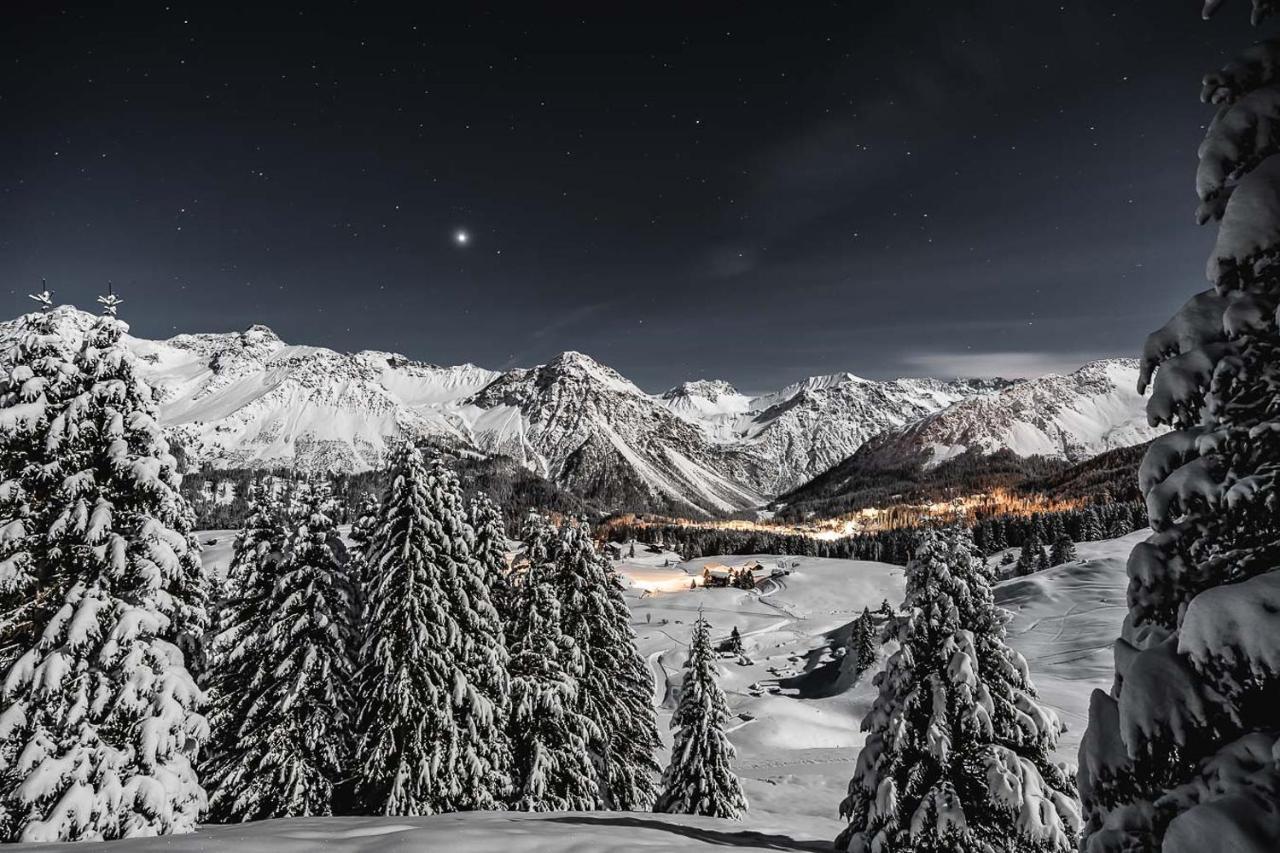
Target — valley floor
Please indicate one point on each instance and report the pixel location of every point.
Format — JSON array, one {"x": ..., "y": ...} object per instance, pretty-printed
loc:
[{"x": 797, "y": 709}]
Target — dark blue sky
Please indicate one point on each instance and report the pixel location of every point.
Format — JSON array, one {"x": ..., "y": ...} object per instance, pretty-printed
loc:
[{"x": 754, "y": 192}]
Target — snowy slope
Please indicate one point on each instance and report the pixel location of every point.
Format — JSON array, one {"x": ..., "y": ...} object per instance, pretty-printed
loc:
[{"x": 1065, "y": 621}]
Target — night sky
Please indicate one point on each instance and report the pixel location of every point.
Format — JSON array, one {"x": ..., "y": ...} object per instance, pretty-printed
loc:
[{"x": 755, "y": 192}]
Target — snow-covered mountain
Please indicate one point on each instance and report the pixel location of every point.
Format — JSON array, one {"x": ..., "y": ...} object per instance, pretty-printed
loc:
[
  {"x": 809, "y": 426},
  {"x": 1073, "y": 417},
  {"x": 584, "y": 426},
  {"x": 248, "y": 399}
]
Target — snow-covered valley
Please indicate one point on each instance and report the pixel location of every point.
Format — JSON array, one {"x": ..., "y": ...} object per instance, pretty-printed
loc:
[{"x": 796, "y": 720}]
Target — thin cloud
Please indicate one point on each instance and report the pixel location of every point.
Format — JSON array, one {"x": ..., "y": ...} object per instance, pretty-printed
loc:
[{"x": 1009, "y": 365}]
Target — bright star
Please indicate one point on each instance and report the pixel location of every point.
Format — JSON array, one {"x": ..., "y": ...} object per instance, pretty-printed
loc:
[{"x": 461, "y": 237}]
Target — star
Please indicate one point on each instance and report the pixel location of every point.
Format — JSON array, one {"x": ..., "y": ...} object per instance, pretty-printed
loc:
[{"x": 461, "y": 237}]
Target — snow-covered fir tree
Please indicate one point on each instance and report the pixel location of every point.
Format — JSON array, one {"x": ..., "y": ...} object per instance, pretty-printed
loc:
[
  {"x": 864, "y": 644},
  {"x": 242, "y": 626},
  {"x": 364, "y": 523},
  {"x": 490, "y": 550},
  {"x": 1042, "y": 560},
  {"x": 39, "y": 376},
  {"x": 1031, "y": 552},
  {"x": 294, "y": 748},
  {"x": 1091, "y": 526},
  {"x": 551, "y": 766},
  {"x": 1183, "y": 754},
  {"x": 100, "y": 726},
  {"x": 734, "y": 645},
  {"x": 957, "y": 756},
  {"x": 1064, "y": 551},
  {"x": 1118, "y": 526},
  {"x": 699, "y": 780},
  {"x": 615, "y": 688},
  {"x": 482, "y": 685},
  {"x": 412, "y": 653}
]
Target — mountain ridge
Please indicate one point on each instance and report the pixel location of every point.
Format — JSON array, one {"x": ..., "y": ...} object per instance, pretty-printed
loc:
[{"x": 250, "y": 399}]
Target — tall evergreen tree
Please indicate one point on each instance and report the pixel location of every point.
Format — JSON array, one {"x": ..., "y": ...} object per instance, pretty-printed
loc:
[
  {"x": 1030, "y": 554},
  {"x": 550, "y": 735},
  {"x": 362, "y": 530},
  {"x": 1181, "y": 755},
  {"x": 491, "y": 551},
  {"x": 957, "y": 757},
  {"x": 1118, "y": 526},
  {"x": 1091, "y": 526},
  {"x": 100, "y": 725},
  {"x": 39, "y": 377},
  {"x": 241, "y": 630},
  {"x": 734, "y": 646},
  {"x": 864, "y": 645},
  {"x": 1064, "y": 551},
  {"x": 482, "y": 689},
  {"x": 295, "y": 738},
  {"x": 699, "y": 779},
  {"x": 616, "y": 686},
  {"x": 411, "y": 656}
]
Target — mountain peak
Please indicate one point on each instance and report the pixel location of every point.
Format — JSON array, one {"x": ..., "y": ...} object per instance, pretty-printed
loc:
[
  {"x": 572, "y": 363},
  {"x": 573, "y": 358},
  {"x": 258, "y": 332},
  {"x": 708, "y": 389}
]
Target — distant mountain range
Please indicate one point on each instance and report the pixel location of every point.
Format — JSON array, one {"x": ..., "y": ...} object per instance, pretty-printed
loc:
[{"x": 248, "y": 399}]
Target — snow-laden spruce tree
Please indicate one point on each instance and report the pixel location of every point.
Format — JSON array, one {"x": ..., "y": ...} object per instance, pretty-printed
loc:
[
  {"x": 957, "y": 756},
  {"x": 482, "y": 688},
  {"x": 234, "y": 677},
  {"x": 100, "y": 726},
  {"x": 1030, "y": 555},
  {"x": 699, "y": 780},
  {"x": 294, "y": 747},
  {"x": 551, "y": 766},
  {"x": 490, "y": 550},
  {"x": 616, "y": 685},
  {"x": 1064, "y": 551},
  {"x": 38, "y": 376},
  {"x": 1182, "y": 754},
  {"x": 1091, "y": 526},
  {"x": 864, "y": 642},
  {"x": 362, "y": 527},
  {"x": 432, "y": 682}
]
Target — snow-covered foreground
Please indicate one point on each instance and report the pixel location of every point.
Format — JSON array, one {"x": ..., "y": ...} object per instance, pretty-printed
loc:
[
  {"x": 797, "y": 714},
  {"x": 487, "y": 832}
]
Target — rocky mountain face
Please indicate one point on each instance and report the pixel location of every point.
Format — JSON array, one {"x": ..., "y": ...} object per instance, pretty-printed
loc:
[
  {"x": 806, "y": 428},
  {"x": 586, "y": 427},
  {"x": 248, "y": 399},
  {"x": 1071, "y": 418}
]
